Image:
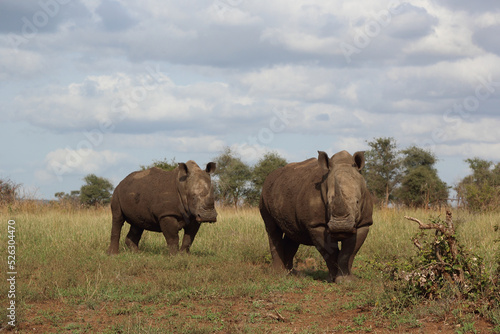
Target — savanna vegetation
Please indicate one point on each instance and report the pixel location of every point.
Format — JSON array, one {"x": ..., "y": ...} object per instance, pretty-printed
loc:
[
  {"x": 445, "y": 279},
  {"x": 67, "y": 283},
  {"x": 395, "y": 177}
]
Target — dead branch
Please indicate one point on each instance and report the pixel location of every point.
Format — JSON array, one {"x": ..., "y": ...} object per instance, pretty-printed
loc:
[
  {"x": 417, "y": 243},
  {"x": 276, "y": 316},
  {"x": 430, "y": 226},
  {"x": 448, "y": 231},
  {"x": 449, "y": 221}
]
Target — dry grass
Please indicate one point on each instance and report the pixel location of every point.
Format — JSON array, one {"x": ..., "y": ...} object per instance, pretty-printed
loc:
[{"x": 61, "y": 260}]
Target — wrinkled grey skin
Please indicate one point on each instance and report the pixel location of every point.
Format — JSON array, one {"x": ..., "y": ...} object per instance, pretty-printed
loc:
[
  {"x": 161, "y": 201},
  {"x": 320, "y": 202}
]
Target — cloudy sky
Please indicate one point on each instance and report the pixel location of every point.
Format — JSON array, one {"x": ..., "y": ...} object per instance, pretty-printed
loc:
[{"x": 104, "y": 86}]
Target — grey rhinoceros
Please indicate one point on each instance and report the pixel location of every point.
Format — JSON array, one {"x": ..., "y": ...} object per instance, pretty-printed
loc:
[
  {"x": 320, "y": 202},
  {"x": 163, "y": 201}
]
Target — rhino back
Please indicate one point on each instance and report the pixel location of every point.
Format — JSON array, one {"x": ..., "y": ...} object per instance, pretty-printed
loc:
[
  {"x": 146, "y": 196},
  {"x": 292, "y": 196}
]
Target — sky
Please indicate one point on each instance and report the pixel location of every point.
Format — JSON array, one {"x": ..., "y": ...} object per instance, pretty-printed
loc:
[{"x": 105, "y": 86}]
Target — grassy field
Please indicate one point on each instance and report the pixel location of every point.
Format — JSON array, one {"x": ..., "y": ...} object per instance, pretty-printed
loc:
[{"x": 66, "y": 283}]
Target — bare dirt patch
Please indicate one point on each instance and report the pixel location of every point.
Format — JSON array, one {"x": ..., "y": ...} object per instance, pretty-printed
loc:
[{"x": 312, "y": 310}]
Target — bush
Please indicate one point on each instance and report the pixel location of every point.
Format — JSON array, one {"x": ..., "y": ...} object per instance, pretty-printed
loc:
[
  {"x": 480, "y": 191},
  {"x": 8, "y": 191},
  {"x": 442, "y": 267}
]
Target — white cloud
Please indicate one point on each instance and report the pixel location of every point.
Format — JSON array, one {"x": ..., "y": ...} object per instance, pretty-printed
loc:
[
  {"x": 302, "y": 42},
  {"x": 487, "y": 151},
  {"x": 350, "y": 144},
  {"x": 411, "y": 22},
  {"x": 17, "y": 64},
  {"x": 487, "y": 20},
  {"x": 222, "y": 68},
  {"x": 228, "y": 13},
  {"x": 164, "y": 141},
  {"x": 121, "y": 98},
  {"x": 448, "y": 38},
  {"x": 473, "y": 130},
  {"x": 418, "y": 125},
  {"x": 350, "y": 92},
  {"x": 251, "y": 152},
  {"x": 62, "y": 163},
  {"x": 291, "y": 82}
]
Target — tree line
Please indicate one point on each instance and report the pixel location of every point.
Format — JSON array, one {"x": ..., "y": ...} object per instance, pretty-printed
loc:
[
  {"x": 408, "y": 177},
  {"x": 395, "y": 177}
]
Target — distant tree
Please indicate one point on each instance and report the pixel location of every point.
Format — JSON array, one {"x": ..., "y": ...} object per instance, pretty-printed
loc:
[
  {"x": 8, "y": 191},
  {"x": 231, "y": 178},
  {"x": 269, "y": 162},
  {"x": 383, "y": 168},
  {"x": 163, "y": 164},
  {"x": 97, "y": 190},
  {"x": 420, "y": 183},
  {"x": 480, "y": 191},
  {"x": 415, "y": 156},
  {"x": 73, "y": 198}
]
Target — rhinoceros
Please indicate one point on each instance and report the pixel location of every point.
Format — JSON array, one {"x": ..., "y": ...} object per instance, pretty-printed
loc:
[
  {"x": 322, "y": 202},
  {"x": 163, "y": 201}
]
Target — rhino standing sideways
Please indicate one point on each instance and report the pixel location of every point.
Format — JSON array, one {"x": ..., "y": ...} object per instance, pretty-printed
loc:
[
  {"x": 322, "y": 202},
  {"x": 161, "y": 201}
]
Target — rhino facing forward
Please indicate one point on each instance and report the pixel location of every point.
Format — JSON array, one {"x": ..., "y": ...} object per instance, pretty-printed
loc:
[
  {"x": 163, "y": 201},
  {"x": 320, "y": 202}
]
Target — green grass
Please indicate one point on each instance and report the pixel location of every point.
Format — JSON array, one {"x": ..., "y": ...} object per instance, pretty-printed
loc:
[{"x": 225, "y": 284}]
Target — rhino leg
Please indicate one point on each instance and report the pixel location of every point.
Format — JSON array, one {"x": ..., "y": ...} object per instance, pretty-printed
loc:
[
  {"x": 116, "y": 229},
  {"x": 290, "y": 248},
  {"x": 327, "y": 247},
  {"x": 276, "y": 247},
  {"x": 350, "y": 248},
  {"x": 170, "y": 228},
  {"x": 190, "y": 231},
  {"x": 283, "y": 249},
  {"x": 276, "y": 243},
  {"x": 133, "y": 237}
]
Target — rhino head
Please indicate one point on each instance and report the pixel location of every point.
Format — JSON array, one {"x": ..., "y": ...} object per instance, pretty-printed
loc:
[
  {"x": 343, "y": 190},
  {"x": 197, "y": 194}
]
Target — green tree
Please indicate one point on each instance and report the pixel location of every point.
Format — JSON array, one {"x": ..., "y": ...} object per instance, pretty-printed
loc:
[
  {"x": 231, "y": 178},
  {"x": 382, "y": 168},
  {"x": 73, "y": 198},
  {"x": 96, "y": 190},
  {"x": 415, "y": 156},
  {"x": 163, "y": 164},
  {"x": 269, "y": 162},
  {"x": 480, "y": 190},
  {"x": 420, "y": 183}
]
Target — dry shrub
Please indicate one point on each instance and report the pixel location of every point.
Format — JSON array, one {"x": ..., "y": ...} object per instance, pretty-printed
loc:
[
  {"x": 443, "y": 266},
  {"x": 8, "y": 191}
]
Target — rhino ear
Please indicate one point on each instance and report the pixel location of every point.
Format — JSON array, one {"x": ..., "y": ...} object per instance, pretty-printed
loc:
[
  {"x": 359, "y": 159},
  {"x": 183, "y": 170},
  {"x": 323, "y": 160},
  {"x": 211, "y": 167}
]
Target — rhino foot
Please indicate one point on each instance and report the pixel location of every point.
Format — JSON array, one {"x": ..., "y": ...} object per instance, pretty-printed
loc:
[{"x": 111, "y": 251}]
